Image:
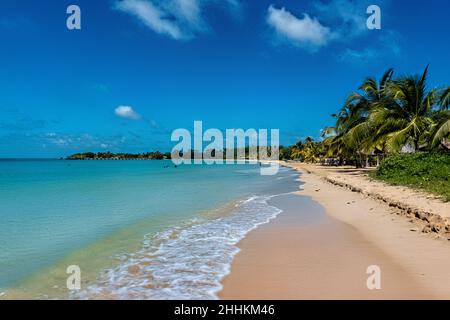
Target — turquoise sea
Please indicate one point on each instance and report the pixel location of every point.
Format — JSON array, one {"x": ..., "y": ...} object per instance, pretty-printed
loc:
[{"x": 136, "y": 229}]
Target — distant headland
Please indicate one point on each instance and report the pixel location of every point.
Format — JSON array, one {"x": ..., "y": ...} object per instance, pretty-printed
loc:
[{"x": 119, "y": 156}]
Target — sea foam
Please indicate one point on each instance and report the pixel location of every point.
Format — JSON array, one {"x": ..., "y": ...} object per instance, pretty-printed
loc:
[{"x": 184, "y": 262}]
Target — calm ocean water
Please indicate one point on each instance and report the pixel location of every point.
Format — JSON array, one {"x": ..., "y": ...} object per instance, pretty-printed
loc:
[{"x": 137, "y": 229}]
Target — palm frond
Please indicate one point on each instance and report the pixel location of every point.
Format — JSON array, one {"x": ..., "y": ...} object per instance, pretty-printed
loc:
[
  {"x": 445, "y": 99},
  {"x": 442, "y": 133}
]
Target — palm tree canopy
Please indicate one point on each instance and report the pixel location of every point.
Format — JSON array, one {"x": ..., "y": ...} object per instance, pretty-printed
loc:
[{"x": 445, "y": 99}]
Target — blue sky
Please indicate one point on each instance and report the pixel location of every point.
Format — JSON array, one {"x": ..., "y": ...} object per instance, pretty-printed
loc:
[{"x": 138, "y": 69}]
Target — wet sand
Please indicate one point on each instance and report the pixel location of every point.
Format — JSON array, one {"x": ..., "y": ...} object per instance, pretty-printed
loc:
[{"x": 322, "y": 244}]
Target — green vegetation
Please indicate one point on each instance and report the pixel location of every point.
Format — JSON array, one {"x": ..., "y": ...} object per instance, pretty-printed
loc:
[
  {"x": 119, "y": 156},
  {"x": 399, "y": 120},
  {"x": 157, "y": 155},
  {"x": 427, "y": 171},
  {"x": 382, "y": 118}
]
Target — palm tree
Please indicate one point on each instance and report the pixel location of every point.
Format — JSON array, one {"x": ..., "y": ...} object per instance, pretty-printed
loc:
[
  {"x": 445, "y": 99},
  {"x": 441, "y": 127},
  {"x": 334, "y": 144},
  {"x": 405, "y": 115},
  {"x": 374, "y": 94},
  {"x": 386, "y": 116},
  {"x": 442, "y": 120},
  {"x": 312, "y": 151},
  {"x": 353, "y": 130},
  {"x": 307, "y": 151},
  {"x": 296, "y": 153}
]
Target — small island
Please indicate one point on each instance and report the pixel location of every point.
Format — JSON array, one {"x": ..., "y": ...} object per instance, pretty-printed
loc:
[{"x": 120, "y": 156}]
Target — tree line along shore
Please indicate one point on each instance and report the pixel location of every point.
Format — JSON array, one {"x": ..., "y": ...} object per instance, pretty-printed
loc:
[
  {"x": 396, "y": 124},
  {"x": 119, "y": 156},
  {"x": 390, "y": 116}
]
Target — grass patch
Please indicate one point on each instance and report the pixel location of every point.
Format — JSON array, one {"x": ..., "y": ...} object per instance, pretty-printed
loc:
[{"x": 426, "y": 171}]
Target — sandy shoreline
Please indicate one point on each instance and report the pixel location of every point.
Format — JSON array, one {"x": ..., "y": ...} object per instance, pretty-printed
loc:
[{"x": 328, "y": 258}]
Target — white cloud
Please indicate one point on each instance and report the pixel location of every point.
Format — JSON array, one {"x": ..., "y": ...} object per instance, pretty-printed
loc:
[
  {"x": 304, "y": 31},
  {"x": 127, "y": 112},
  {"x": 188, "y": 10},
  {"x": 341, "y": 23},
  {"x": 151, "y": 16},
  {"x": 178, "y": 19}
]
